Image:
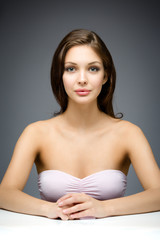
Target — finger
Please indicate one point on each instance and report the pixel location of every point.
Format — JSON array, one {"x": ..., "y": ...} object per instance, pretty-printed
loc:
[
  {"x": 65, "y": 202},
  {"x": 86, "y": 213},
  {"x": 62, "y": 215},
  {"x": 76, "y": 208},
  {"x": 68, "y": 201},
  {"x": 73, "y": 199},
  {"x": 64, "y": 197}
]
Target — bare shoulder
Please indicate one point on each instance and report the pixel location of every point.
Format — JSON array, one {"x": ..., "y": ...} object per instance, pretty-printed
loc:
[
  {"x": 40, "y": 127},
  {"x": 33, "y": 129},
  {"x": 127, "y": 128},
  {"x": 31, "y": 136},
  {"x": 35, "y": 134},
  {"x": 131, "y": 135}
]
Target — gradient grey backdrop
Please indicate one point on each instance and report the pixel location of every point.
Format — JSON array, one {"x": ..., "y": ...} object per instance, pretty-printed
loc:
[{"x": 29, "y": 34}]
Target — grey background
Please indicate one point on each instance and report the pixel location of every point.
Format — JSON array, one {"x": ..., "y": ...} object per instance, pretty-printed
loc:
[{"x": 29, "y": 34}]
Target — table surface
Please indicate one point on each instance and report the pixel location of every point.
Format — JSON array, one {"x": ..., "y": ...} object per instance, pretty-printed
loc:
[{"x": 21, "y": 226}]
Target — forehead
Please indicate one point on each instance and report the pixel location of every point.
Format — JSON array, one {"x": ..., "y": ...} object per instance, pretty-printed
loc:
[{"x": 82, "y": 53}]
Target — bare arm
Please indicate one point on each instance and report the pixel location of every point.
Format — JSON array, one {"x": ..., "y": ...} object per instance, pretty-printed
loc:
[
  {"x": 147, "y": 172},
  {"x": 11, "y": 195}
]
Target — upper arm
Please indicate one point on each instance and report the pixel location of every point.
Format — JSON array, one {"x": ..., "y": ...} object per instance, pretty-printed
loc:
[
  {"x": 24, "y": 154},
  {"x": 142, "y": 158}
]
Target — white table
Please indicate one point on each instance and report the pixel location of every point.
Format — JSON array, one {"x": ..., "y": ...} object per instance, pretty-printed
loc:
[{"x": 21, "y": 226}]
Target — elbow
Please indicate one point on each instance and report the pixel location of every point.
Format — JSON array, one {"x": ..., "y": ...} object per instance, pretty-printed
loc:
[
  {"x": 1, "y": 196},
  {"x": 5, "y": 195},
  {"x": 156, "y": 195}
]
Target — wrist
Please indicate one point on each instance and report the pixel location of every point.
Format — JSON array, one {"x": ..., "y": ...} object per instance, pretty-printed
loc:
[
  {"x": 47, "y": 208},
  {"x": 109, "y": 209}
]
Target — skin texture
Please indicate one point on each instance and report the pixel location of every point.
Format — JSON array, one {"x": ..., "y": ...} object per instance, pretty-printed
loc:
[
  {"x": 81, "y": 141},
  {"x": 83, "y": 69}
]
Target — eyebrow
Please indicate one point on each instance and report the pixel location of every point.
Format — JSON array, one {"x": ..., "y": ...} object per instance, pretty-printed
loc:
[{"x": 88, "y": 63}]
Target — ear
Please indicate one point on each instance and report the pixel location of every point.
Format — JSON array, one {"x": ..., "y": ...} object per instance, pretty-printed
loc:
[{"x": 105, "y": 79}]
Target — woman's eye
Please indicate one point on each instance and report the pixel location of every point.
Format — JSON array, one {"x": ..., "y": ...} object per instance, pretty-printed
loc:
[
  {"x": 70, "y": 69},
  {"x": 94, "y": 69}
]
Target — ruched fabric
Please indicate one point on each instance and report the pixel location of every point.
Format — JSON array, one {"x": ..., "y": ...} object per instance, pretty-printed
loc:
[{"x": 102, "y": 185}]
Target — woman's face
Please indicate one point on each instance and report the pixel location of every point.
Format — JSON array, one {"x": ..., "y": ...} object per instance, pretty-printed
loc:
[{"x": 83, "y": 71}]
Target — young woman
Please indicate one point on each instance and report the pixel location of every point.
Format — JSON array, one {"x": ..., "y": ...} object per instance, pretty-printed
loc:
[{"x": 83, "y": 153}]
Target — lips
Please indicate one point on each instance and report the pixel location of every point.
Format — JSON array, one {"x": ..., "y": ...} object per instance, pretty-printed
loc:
[{"x": 82, "y": 90}]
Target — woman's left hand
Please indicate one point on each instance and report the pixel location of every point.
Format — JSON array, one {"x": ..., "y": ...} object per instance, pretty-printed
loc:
[{"x": 82, "y": 205}]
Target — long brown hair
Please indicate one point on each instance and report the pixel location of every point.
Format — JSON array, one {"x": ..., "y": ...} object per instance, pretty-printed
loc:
[{"x": 90, "y": 38}]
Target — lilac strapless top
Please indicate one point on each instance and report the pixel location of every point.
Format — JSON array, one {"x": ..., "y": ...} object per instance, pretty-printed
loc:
[{"x": 102, "y": 185}]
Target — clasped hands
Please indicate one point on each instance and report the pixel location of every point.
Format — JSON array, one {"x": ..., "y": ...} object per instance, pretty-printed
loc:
[{"x": 80, "y": 205}]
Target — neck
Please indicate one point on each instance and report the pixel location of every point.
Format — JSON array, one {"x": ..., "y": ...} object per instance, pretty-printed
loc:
[{"x": 83, "y": 117}]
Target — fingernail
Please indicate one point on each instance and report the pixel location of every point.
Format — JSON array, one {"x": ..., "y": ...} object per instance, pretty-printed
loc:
[
  {"x": 65, "y": 211},
  {"x": 60, "y": 203}
]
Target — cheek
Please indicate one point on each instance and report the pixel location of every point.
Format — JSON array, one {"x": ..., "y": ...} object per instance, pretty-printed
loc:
[
  {"x": 67, "y": 82},
  {"x": 98, "y": 82}
]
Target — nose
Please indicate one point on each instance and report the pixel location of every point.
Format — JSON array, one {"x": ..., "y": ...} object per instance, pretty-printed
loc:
[{"x": 82, "y": 79}]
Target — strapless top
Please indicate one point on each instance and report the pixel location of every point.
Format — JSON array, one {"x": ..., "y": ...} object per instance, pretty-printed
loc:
[{"x": 102, "y": 185}]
